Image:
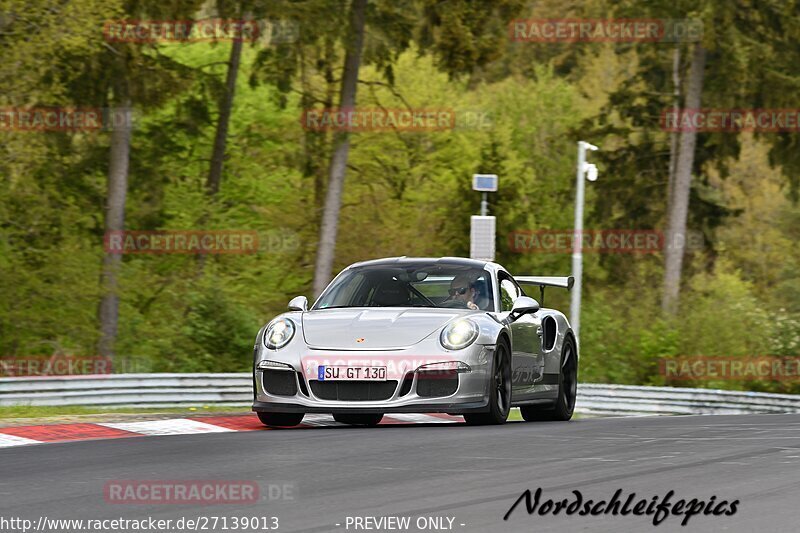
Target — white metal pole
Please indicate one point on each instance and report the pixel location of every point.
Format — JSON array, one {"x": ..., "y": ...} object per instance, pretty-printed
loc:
[{"x": 577, "y": 254}]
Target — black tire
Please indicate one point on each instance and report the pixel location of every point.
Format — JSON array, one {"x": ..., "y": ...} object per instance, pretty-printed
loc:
[
  {"x": 499, "y": 393},
  {"x": 564, "y": 407},
  {"x": 280, "y": 419},
  {"x": 358, "y": 419}
]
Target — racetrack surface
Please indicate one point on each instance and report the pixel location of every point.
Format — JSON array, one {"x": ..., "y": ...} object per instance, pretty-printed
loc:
[{"x": 470, "y": 474}]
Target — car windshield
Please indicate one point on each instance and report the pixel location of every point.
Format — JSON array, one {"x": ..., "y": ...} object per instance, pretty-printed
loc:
[{"x": 411, "y": 285}]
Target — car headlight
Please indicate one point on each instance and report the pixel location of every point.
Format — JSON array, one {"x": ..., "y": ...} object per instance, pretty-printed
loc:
[
  {"x": 279, "y": 333},
  {"x": 459, "y": 334}
]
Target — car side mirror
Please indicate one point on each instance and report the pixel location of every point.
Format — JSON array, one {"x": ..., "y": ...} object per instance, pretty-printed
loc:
[
  {"x": 522, "y": 306},
  {"x": 298, "y": 303}
]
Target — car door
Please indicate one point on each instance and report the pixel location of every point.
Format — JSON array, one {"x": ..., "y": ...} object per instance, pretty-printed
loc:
[{"x": 526, "y": 362}]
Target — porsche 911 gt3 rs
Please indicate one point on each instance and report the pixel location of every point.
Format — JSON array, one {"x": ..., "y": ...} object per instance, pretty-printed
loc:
[{"x": 418, "y": 335}]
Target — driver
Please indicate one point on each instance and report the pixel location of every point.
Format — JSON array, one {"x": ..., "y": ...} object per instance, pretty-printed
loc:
[{"x": 462, "y": 289}]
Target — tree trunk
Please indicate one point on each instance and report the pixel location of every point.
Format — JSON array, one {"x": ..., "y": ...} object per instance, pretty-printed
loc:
[
  {"x": 330, "y": 94},
  {"x": 341, "y": 147},
  {"x": 673, "y": 137},
  {"x": 679, "y": 209},
  {"x": 115, "y": 221},
  {"x": 225, "y": 108},
  {"x": 315, "y": 142}
]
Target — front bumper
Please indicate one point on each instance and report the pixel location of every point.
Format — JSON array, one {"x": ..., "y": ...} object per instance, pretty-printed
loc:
[
  {"x": 294, "y": 389},
  {"x": 453, "y": 408}
]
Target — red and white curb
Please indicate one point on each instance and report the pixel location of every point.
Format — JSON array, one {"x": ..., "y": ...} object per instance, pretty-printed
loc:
[{"x": 50, "y": 433}]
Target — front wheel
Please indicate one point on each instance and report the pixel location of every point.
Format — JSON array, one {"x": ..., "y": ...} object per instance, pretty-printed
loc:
[
  {"x": 358, "y": 419},
  {"x": 280, "y": 419},
  {"x": 500, "y": 390},
  {"x": 567, "y": 389}
]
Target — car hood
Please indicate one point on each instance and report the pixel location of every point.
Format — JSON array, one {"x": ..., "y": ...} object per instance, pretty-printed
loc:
[{"x": 373, "y": 328}]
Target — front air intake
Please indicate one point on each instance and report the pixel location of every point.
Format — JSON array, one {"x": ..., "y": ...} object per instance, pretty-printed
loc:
[
  {"x": 280, "y": 382},
  {"x": 437, "y": 383},
  {"x": 358, "y": 391}
]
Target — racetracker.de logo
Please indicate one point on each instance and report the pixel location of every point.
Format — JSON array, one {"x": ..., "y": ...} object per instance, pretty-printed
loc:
[
  {"x": 731, "y": 120},
  {"x": 394, "y": 367},
  {"x": 377, "y": 119},
  {"x": 181, "y": 242},
  {"x": 160, "y": 491},
  {"x": 614, "y": 241},
  {"x": 54, "y": 365},
  {"x": 39, "y": 119},
  {"x": 152, "y": 31},
  {"x": 766, "y": 367},
  {"x": 605, "y": 30}
]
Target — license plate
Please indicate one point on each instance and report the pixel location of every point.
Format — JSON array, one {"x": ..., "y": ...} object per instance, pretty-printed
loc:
[{"x": 351, "y": 373}]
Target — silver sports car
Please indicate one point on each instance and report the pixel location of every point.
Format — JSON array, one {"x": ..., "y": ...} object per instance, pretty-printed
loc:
[{"x": 418, "y": 335}]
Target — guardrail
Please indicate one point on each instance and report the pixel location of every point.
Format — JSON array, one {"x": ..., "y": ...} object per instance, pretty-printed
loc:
[
  {"x": 633, "y": 400},
  {"x": 128, "y": 390},
  {"x": 170, "y": 390}
]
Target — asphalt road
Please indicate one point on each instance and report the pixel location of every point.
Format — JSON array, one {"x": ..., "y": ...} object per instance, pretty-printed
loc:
[{"x": 313, "y": 479}]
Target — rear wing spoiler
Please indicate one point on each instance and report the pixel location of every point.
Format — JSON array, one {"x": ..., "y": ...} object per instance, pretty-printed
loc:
[{"x": 561, "y": 282}]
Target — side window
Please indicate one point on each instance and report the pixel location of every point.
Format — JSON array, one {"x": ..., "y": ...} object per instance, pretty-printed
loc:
[{"x": 509, "y": 292}]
